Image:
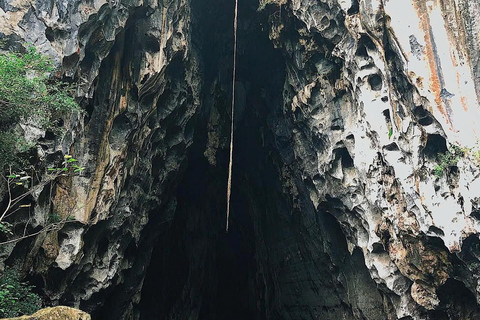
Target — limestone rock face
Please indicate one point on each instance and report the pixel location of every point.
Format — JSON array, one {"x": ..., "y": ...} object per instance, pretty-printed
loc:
[
  {"x": 137, "y": 79},
  {"x": 356, "y": 160},
  {"x": 400, "y": 88}
]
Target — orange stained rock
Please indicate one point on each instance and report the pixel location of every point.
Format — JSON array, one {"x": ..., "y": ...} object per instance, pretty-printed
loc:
[{"x": 421, "y": 8}]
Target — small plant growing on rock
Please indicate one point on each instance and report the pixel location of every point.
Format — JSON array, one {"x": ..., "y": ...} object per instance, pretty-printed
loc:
[
  {"x": 6, "y": 228},
  {"x": 54, "y": 218},
  {"x": 447, "y": 160},
  {"x": 473, "y": 153}
]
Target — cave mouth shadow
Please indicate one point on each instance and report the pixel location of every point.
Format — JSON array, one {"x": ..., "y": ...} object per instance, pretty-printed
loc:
[
  {"x": 196, "y": 267},
  {"x": 197, "y": 271}
]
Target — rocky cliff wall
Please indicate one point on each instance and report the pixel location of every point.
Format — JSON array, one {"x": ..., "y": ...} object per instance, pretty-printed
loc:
[{"x": 341, "y": 207}]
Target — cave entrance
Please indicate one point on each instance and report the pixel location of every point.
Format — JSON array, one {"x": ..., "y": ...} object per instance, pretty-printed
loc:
[{"x": 197, "y": 271}]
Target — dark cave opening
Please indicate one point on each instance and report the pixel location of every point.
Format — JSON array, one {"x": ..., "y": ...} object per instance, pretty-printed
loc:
[{"x": 197, "y": 270}]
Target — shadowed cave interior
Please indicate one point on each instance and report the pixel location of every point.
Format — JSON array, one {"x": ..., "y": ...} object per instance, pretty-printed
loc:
[{"x": 196, "y": 264}]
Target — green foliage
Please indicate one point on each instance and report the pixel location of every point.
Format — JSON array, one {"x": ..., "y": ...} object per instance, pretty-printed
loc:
[
  {"x": 16, "y": 298},
  {"x": 27, "y": 93},
  {"x": 448, "y": 159},
  {"x": 476, "y": 155},
  {"x": 473, "y": 153},
  {"x": 69, "y": 165},
  {"x": 20, "y": 179},
  {"x": 54, "y": 218},
  {"x": 6, "y": 228},
  {"x": 390, "y": 133}
]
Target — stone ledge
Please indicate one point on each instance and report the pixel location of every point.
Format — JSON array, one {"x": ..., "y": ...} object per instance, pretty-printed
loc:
[{"x": 57, "y": 313}]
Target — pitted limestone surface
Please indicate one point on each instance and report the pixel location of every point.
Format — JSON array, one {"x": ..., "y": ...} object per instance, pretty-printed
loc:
[{"x": 345, "y": 107}]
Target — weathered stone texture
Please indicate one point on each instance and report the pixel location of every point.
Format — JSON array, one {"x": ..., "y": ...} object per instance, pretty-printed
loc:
[
  {"x": 339, "y": 133},
  {"x": 56, "y": 313}
]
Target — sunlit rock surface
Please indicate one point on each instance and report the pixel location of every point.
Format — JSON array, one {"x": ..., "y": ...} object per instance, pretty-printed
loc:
[{"x": 57, "y": 313}]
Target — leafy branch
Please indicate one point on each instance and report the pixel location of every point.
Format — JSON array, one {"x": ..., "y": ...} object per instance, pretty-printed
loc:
[{"x": 69, "y": 167}]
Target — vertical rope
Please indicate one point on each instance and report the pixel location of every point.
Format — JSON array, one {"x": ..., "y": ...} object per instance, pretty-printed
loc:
[{"x": 229, "y": 184}]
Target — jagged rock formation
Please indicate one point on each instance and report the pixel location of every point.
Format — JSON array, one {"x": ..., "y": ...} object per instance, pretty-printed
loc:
[{"x": 337, "y": 213}]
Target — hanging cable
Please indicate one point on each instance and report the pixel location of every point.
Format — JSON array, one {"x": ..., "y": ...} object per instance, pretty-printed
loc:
[{"x": 229, "y": 184}]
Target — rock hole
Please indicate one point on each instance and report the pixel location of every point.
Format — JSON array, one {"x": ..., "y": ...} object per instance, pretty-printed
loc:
[
  {"x": 325, "y": 22},
  {"x": 319, "y": 142},
  {"x": 384, "y": 99},
  {"x": 49, "y": 135},
  {"x": 49, "y": 34},
  {"x": 424, "y": 117},
  {"x": 354, "y": 8},
  {"x": 453, "y": 170},
  {"x": 377, "y": 247},
  {"x": 475, "y": 214},
  {"x": 120, "y": 129},
  {"x": 62, "y": 236},
  {"x": 420, "y": 112},
  {"x": 69, "y": 62},
  {"x": 435, "y": 145},
  {"x": 87, "y": 62},
  {"x": 361, "y": 51},
  {"x": 436, "y": 231},
  {"x": 151, "y": 44},
  {"x": 425, "y": 121},
  {"x": 344, "y": 155},
  {"x": 144, "y": 79},
  {"x": 333, "y": 24},
  {"x": 337, "y": 124},
  {"x": 375, "y": 82},
  {"x": 364, "y": 44},
  {"x": 386, "y": 114},
  {"x": 55, "y": 34},
  {"x": 391, "y": 147}
]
